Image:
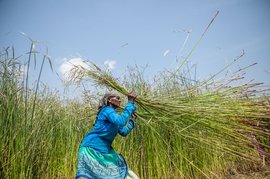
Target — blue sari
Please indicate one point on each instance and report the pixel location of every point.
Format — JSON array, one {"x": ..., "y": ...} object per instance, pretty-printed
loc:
[
  {"x": 95, "y": 165},
  {"x": 96, "y": 157}
]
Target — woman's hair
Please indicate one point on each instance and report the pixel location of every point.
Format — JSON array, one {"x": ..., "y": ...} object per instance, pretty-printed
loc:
[{"x": 104, "y": 101}]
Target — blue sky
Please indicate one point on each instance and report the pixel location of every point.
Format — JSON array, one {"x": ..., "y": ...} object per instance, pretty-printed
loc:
[{"x": 153, "y": 32}]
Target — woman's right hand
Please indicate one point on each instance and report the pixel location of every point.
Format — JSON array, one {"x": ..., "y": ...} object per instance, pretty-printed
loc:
[{"x": 132, "y": 96}]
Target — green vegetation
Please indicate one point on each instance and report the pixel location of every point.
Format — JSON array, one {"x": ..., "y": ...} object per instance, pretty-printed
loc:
[
  {"x": 186, "y": 128},
  {"x": 39, "y": 133}
]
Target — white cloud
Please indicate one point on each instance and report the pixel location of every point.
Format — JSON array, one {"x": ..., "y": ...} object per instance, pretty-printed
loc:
[
  {"x": 110, "y": 64},
  {"x": 66, "y": 67},
  {"x": 21, "y": 71}
]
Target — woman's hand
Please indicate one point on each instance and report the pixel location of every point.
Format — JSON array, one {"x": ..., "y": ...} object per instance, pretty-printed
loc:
[
  {"x": 132, "y": 96},
  {"x": 134, "y": 116}
]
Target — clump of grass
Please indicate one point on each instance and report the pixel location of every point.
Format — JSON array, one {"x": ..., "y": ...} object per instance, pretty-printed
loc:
[{"x": 39, "y": 132}]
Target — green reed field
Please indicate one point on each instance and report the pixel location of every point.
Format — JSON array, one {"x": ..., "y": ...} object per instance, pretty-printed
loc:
[
  {"x": 39, "y": 132},
  {"x": 186, "y": 128}
]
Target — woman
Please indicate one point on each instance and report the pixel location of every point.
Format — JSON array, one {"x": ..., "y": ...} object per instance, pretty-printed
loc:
[{"x": 96, "y": 158}]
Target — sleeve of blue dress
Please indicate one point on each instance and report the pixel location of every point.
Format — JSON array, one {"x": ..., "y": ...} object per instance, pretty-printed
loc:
[
  {"x": 124, "y": 131},
  {"x": 122, "y": 119}
]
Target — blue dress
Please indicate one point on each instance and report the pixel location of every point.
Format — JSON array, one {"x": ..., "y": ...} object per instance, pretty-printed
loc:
[{"x": 96, "y": 158}]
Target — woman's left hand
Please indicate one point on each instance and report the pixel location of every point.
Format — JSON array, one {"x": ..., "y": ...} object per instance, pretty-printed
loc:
[{"x": 134, "y": 116}]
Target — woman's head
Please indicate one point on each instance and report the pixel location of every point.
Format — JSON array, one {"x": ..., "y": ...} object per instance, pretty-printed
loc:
[
  {"x": 114, "y": 101},
  {"x": 110, "y": 99}
]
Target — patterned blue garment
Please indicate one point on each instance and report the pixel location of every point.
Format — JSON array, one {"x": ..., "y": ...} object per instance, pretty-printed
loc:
[
  {"x": 94, "y": 165},
  {"x": 96, "y": 158}
]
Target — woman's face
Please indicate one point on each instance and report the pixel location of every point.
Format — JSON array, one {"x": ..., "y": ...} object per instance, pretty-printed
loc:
[{"x": 115, "y": 101}]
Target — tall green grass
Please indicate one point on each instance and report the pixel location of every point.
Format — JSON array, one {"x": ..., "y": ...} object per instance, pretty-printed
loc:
[
  {"x": 185, "y": 128},
  {"x": 39, "y": 132}
]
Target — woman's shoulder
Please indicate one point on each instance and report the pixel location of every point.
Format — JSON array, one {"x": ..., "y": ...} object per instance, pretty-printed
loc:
[{"x": 107, "y": 109}]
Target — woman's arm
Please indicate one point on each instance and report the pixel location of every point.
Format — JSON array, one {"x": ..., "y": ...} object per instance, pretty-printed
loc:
[
  {"x": 122, "y": 119},
  {"x": 124, "y": 131}
]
